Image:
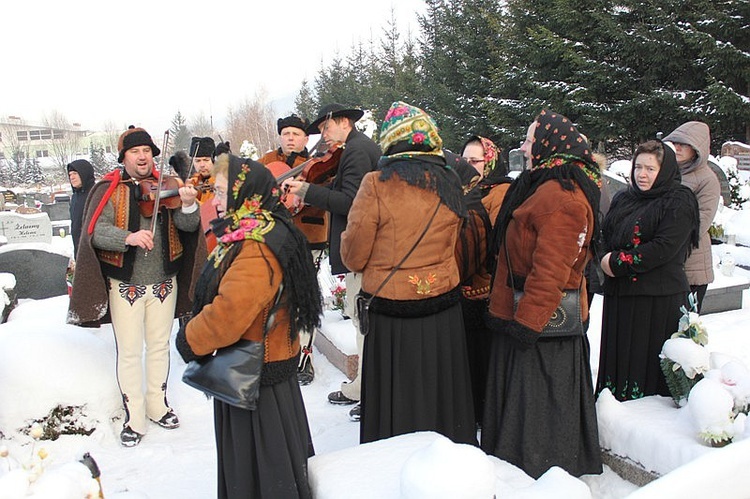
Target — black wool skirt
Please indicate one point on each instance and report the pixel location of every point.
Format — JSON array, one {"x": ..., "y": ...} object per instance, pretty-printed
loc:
[
  {"x": 263, "y": 453},
  {"x": 539, "y": 406},
  {"x": 634, "y": 329},
  {"x": 416, "y": 377},
  {"x": 478, "y": 343}
]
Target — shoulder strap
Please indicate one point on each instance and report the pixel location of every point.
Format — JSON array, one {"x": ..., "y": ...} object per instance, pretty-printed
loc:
[{"x": 414, "y": 246}]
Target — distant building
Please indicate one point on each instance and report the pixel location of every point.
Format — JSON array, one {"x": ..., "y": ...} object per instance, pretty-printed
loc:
[{"x": 20, "y": 140}]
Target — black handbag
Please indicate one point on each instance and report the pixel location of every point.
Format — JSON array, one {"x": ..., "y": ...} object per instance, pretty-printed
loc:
[
  {"x": 232, "y": 374},
  {"x": 362, "y": 303},
  {"x": 566, "y": 319}
]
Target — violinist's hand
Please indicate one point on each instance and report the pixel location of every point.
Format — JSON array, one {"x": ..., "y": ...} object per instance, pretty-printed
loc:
[
  {"x": 295, "y": 187},
  {"x": 143, "y": 238},
  {"x": 188, "y": 194},
  {"x": 605, "y": 265}
]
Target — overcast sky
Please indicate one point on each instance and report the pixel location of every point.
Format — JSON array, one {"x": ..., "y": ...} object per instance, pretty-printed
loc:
[{"x": 139, "y": 61}]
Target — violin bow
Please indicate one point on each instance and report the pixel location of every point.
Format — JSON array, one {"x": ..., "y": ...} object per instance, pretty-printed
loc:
[{"x": 158, "y": 183}]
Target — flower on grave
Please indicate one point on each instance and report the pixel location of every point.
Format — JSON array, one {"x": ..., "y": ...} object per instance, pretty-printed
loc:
[
  {"x": 339, "y": 297},
  {"x": 683, "y": 358},
  {"x": 690, "y": 325}
]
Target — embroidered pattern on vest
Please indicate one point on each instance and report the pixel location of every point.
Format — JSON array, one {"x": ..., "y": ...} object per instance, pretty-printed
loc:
[
  {"x": 175, "y": 245},
  {"x": 121, "y": 203}
]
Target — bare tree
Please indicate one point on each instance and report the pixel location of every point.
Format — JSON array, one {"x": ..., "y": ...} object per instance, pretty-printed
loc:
[
  {"x": 201, "y": 126},
  {"x": 63, "y": 140},
  {"x": 112, "y": 132},
  {"x": 254, "y": 121}
]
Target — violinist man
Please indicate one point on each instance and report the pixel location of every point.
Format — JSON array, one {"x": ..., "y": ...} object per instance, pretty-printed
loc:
[
  {"x": 293, "y": 142},
  {"x": 335, "y": 123},
  {"x": 292, "y": 151},
  {"x": 138, "y": 275}
]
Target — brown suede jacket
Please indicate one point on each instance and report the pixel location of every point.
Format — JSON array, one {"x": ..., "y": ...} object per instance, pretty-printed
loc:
[
  {"x": 493, "y": 200},
  {"x": 548, "y": 243},
  {"x": 247, "y": 292},
  {"x": 385, "y": 220}
]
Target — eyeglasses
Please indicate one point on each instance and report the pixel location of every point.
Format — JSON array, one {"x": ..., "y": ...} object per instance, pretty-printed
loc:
[
  {"x": 220, "y": 193},
  {"x": 475, "y": 161}
]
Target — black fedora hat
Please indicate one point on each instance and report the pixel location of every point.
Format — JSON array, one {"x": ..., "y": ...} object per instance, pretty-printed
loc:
[{"x": 333, "y": 111}]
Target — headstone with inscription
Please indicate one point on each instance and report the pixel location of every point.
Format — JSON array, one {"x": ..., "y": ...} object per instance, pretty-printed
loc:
[
  {"x": 25, "y": 228},
  {"x": 39, "y": 274}
]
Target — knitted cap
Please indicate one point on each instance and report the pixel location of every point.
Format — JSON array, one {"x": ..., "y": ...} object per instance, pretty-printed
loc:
[
  {"x": 411, "y": 129},
  {"x": 134, "y": 137},
  {"x": 293, "y": 121}
]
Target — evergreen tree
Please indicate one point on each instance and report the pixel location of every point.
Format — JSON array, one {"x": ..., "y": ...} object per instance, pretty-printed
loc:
[
  {"x": 305, "y": 104},
  {"x": 179, "y": 134},
  {"x": 99, "y": 160},
  {"x": 459, "y": 53}
]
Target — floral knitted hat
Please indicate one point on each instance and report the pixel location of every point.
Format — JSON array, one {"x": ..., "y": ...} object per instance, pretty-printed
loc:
[{"x": 409, "y": 131}]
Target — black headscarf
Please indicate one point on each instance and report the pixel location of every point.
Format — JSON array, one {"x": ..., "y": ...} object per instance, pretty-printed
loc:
[
  {"x": 255, "y": 212},
  {"x": 665, "y": 198},
  {"x": 559, "y": 152}
]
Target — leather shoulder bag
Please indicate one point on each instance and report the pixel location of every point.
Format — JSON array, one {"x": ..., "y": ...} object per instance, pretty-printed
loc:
[{"x": 232, "y": 374}]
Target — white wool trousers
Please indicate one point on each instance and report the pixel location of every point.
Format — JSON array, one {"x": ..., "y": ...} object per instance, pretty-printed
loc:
[
  {"x": 142, "y": 315},
  {"x": 353, "y": 282}
]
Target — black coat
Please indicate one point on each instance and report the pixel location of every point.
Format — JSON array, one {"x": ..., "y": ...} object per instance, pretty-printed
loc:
[
  {"x": 360, "y": 156},
  {"x": 78, "y": 199}
]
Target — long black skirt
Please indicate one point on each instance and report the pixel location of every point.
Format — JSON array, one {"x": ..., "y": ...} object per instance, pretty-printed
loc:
[
  {"x": 416, "y": 378},
  {"x": 634, "y": 329},
  {"x": 263, "y": 453},
  {"x": 539, "y": 406},
  {"x": 478, "y": 343}
]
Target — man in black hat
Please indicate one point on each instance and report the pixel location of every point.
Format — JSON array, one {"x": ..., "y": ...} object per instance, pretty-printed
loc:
[
  {"x": 293, "y": 142},
  {"x": 335, "y": 123},
  {"x": 137, "y": 271}
]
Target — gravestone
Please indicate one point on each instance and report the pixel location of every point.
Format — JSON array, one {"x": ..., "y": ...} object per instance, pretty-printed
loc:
[
  {"x": 26, "y": 228},
  {"x": 10, "y": 197},
  {"x": 57, "y": 211},
  {"x": 39, "y": 274}
]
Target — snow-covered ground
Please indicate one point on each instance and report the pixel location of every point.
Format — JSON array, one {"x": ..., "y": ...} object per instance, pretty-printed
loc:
[{"x": 45, "y": 363}]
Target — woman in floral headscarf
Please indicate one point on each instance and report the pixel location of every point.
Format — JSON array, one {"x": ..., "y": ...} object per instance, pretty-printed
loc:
[
  {"x": 261, "y": 453},
  {"x": 539, "y": 410},
  {"x": 415, "y": 370},
  {"x": 483, "y": 201}
]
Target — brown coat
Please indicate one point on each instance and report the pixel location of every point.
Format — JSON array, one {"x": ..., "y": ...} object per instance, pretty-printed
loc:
[
  {"x": 548, "y": 243},
  {"x": 493, "y": 200},
  {"x": 385, "y": 220},
  {"x": 240, "y": 308}
]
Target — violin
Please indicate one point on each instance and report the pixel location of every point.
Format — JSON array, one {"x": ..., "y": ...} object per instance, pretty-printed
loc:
[
  {"x": 169, "y": 197},
  {"x": 318, "y": 170}
]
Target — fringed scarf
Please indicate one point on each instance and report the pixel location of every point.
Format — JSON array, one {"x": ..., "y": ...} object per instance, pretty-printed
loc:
[
  {"x": 560, "y": 153},
  {"x": 254, "y": 212}
]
